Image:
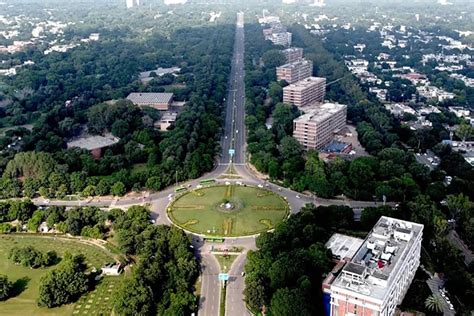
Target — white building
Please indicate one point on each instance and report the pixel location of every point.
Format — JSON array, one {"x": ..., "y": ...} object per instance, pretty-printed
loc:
[
  {"x": 112, "y": 269},
  {"x": 378, "y": 276},
  {"x": 317, "y": 127}
]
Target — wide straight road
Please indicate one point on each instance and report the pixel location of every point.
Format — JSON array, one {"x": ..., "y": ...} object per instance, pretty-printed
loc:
[{"x": 234, "y": 130}]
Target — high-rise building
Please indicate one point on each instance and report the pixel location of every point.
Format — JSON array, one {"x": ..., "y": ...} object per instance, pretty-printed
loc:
[
  {"x": 305, "y": 92},
  {"x": 378, "y": 276},
  {"x": 316, "y": 128},
  {"x": 295, "y": 71},
  {"x": 293, "y": 54}
]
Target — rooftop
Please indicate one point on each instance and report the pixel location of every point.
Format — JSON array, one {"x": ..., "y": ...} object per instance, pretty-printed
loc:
[
  {"x": 292, "y": 49},
  {"x": 91, "y": 142},
  {"x": 320, "y": 113},
  {"x": 146, "y": 98},
  {"x": 159, "y": 72},
  {"x": 296, "y": 64},
  {"x": 376, "y": 263},
  {"x": 343, "y": 246},
  {"x": 308, "y": 82}
]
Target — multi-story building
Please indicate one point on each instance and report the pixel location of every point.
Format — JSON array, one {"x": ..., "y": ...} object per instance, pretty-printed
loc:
[
  {"x": 305, "y": 92},
  {"x": 295, "y": 71},
  {"x": 316, "y": 128},
  {"x": 378, "y": 276},
  {"x": 293, "y": 54},
  {"x": 283, "y": 38}
]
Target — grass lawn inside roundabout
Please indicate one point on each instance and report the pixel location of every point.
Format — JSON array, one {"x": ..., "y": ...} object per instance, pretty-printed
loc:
[{"x": 228, "y": 210}]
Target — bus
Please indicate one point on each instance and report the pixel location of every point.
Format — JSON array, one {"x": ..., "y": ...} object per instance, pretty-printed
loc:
[
  {"x": 207, "y": 181},
  {"x": 180, "y": 189}
]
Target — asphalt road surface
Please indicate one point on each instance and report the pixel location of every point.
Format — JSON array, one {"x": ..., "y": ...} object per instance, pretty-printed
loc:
[
  {"x": 234, "y": 130},
  {"x": 235, "y": 304},
  {"x": 209, "y": 302}
]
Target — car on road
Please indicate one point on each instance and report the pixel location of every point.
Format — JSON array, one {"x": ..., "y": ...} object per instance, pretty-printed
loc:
[
  {"x": 227, "y": 183},
  {"x": 236, "y": 131},
  {"x": 152, "y": 221},
  {"x": 298, "y": 196},
  {"x": 46, "y": 201},
  {"x": 260, "y": 186},
  {"x": 243, "y": 273},
  {"x": 170, "y": 195}
]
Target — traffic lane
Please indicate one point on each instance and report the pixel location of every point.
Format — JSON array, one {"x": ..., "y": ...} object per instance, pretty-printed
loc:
[
  {"x": 209, "y": 301},
  {"x": 235, "y": 303}
]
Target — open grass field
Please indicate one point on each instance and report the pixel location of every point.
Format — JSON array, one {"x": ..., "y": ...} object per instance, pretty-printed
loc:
[
  {"x": 27, "y": 280},
  {"x": 252, "y": 210}
]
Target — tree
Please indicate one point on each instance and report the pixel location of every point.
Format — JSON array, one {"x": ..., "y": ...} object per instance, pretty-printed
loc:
[
  {"x": 287, "y": 302},
  {"x": 36, "y": 165},
  {"x": 133, "y": 298},
  {"x": 5, "y": 287},
  {"x": 434, "y": 303},
  {"x": 458, "y": 204},
  {"x": 255, "y": 295},
  {"x": 465, "y": 131},
  {"x": 88, "y": 191},
  {"x": 118, "y": 189},
  {"x": 103, "y": 187},
  {"x": 64, "y": 284},
  {"x": 35, "y": 220},
  {"x": 31, "y": 257},
  {"x": 273, "y": 58}
]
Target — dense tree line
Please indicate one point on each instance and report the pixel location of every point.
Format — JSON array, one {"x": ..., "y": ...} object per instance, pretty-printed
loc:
[{"x": 163, "y": 280}]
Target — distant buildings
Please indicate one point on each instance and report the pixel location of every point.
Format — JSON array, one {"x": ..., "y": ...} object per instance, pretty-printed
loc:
[
  {"x": 170, "y": 2},
  {"x": 305, "y": 92},
  {"x": 277, "y": 32},
  {"x": 376, "y": 278},
  {"x": 147, "y": 76},
  {"x": 94, "y": 143},
  {"x": 295, "y": 71},
  {"x": 316, "y": 128},
  {"x": 293, "y": 54},
  {"x": 159, "y": 101}
]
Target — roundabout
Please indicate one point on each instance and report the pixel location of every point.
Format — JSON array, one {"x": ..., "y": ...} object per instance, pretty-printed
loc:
[{"x": 228, "y": 210}]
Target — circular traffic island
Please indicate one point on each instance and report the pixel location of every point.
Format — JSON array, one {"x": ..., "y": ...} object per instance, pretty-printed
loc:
[{"x": 228, "y": 210}]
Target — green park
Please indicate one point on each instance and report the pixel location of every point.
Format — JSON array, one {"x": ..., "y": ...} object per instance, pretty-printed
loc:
[
  {"x": 228, "y": 210},
  {"x": 26, "y": 281}
]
